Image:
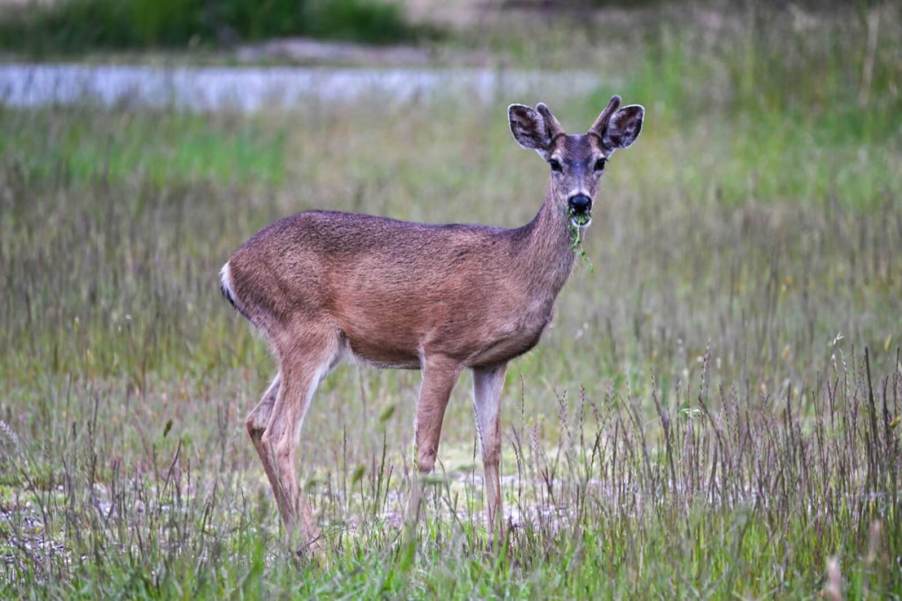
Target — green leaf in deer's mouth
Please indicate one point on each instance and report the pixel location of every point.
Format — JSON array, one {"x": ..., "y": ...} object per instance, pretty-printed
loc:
[{"x": 580, "y": 219}]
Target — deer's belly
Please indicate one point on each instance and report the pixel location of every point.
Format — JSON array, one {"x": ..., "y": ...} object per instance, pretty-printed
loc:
[
  {"x": 383, "y": 336},
  {"x": 396, "y": 342},
  {"x": 384, "y": 353}
]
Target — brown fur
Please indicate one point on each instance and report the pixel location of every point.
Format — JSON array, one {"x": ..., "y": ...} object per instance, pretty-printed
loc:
[{"x": 439, "y": 298}]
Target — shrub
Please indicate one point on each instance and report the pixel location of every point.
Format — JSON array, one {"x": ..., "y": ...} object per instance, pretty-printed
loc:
[{"x": 77, "y": 25}]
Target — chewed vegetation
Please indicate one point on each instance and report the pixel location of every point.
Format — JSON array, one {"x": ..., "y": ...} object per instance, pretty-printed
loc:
[{"x": 715, "y": 412}]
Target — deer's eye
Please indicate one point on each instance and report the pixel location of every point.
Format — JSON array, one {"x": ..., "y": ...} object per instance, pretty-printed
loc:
[
  {"x": 555, "y": 165},
  {"x": 599, "y": 164}
]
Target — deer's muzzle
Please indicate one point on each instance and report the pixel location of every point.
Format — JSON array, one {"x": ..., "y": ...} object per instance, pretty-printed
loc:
[{"x": 580, "y": 207}]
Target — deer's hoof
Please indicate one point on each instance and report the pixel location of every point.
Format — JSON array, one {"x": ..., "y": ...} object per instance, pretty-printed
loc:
[{"x": 309, "y": 553}]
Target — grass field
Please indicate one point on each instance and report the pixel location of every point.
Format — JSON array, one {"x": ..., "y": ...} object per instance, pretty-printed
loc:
[{"x": 714, "y": 412}]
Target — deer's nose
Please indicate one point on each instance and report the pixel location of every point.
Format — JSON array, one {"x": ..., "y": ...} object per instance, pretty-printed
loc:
[{"x": 579, "y": 203}]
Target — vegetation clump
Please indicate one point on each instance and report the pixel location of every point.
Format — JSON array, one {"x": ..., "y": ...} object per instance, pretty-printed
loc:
[{"x": 71, "y": 26}]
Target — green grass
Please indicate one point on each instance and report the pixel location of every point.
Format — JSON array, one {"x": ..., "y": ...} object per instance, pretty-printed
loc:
[
  {"x": 71, "y": 27},
  {"x": 700, "y": 421},
  {"x": 120, "y": 148}
]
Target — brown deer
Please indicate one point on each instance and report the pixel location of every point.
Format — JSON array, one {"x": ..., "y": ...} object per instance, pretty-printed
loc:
[{"x": 324, "y": 285}]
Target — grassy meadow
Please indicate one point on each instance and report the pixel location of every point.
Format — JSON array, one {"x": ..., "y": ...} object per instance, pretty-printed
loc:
[{"x": 714, "y": 412}]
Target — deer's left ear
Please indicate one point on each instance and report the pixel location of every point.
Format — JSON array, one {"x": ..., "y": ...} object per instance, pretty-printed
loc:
[
  {"x": 624, "y": 126},
  {"x": 529, "y": 128}
]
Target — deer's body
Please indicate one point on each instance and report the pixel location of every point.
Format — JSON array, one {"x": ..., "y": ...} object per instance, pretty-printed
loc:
[
  {"x": 394, "y": 291},
  {"x": 441, "y": 298}
]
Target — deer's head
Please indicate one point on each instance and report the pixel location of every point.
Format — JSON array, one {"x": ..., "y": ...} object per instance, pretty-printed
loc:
[{"x": 576, "y": 161}]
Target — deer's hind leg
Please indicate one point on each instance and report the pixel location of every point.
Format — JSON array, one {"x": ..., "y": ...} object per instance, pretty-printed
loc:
[
  {"x": 306, "y": 354},
  {"x": 256, "y": 422}
]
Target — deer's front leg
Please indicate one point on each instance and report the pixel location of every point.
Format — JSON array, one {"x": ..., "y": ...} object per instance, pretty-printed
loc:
[
  {"x": 439, "y": 376},
  {"x": 487, "y": 385}
]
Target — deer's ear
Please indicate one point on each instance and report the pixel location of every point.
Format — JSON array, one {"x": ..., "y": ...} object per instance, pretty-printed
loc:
[
  {"x": 624, "y": 126},
  {"x": 529, "y": 128}
]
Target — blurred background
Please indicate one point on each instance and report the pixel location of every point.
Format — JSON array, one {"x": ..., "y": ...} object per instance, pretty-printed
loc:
[{"x": 748, "y": 243}]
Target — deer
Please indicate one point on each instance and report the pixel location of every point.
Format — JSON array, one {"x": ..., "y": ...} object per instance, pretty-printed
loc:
[{"x": 322, "y": 286}]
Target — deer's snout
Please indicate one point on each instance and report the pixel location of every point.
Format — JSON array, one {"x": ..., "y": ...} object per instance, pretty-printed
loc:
[{"x": 580, "y": 204}]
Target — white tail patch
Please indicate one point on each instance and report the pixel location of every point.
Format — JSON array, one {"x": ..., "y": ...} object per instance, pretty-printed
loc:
[{"x": 225, "y": 284}]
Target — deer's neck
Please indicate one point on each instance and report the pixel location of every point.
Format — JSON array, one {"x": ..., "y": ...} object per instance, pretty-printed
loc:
[{"x": 546, "y": 257}]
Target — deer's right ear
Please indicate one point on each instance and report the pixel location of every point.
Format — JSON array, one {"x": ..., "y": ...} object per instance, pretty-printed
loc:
[{"x": 529, "y": 128}]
